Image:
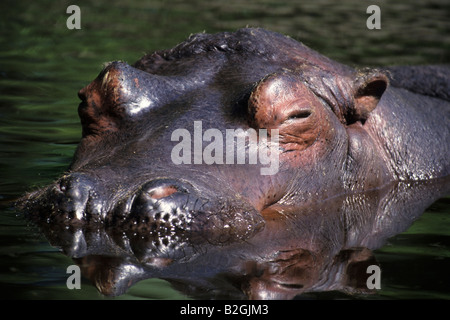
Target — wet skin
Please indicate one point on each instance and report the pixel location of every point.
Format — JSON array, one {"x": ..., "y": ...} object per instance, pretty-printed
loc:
[
  {"x": 341, "y": 131},
  {"x": 318, "y": 247}
]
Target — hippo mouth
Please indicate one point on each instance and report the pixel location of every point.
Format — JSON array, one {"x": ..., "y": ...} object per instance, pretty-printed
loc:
[{"x": 157, "y": 208}]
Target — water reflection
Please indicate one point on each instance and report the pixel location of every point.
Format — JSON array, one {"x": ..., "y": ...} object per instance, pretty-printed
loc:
[{"x": 320, "y": 247}]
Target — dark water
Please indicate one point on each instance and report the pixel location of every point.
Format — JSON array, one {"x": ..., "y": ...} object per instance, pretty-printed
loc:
[{"x": 43, "y": 65}]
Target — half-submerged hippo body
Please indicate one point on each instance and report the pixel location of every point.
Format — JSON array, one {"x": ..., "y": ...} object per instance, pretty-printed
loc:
[{"x": 160, "y": 147}]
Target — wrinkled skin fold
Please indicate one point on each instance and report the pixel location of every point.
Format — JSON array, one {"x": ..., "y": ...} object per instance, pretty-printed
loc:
[{"x": 333, "y": 130}]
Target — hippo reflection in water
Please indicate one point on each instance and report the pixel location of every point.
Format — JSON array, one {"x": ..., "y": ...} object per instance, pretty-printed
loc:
[{"x": 357, "y": 160}]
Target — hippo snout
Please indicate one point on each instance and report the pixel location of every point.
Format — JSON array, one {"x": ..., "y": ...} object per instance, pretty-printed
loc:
[
  {"x": 158, "y": 203},
  {"x": 158, "y": 207}
]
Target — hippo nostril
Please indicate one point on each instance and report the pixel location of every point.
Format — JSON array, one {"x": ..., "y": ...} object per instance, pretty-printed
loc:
[
  {"x": 163, "y": 188},
  {"x": 76, "y": 189},
  {"x": 163, "y": 205},
  {"x": 162, "y": 192}
]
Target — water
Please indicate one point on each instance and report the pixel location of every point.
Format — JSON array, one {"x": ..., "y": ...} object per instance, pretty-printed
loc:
[{"x": 43, "y": 65}]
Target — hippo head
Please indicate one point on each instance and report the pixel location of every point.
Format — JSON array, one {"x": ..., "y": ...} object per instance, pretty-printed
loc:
[{"x": 213, "y": 136}]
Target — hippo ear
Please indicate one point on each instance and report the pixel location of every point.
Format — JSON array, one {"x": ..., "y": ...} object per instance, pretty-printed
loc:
[{"x": 368, "y": 88}]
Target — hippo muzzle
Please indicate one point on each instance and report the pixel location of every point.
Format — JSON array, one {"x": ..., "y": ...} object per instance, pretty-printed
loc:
[{"x": 161, "y": 208}]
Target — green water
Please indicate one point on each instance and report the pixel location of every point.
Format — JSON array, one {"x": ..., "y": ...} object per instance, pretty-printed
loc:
[{"x": 43, "y": 65}]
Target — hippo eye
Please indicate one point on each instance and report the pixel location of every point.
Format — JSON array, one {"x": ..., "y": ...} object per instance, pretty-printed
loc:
[
  {"x": 298, "y": 114},
  {"x": 301, "y": 114}
]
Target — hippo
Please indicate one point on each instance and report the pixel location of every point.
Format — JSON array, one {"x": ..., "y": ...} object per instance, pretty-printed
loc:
[{"x": 210, "y": 140}]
